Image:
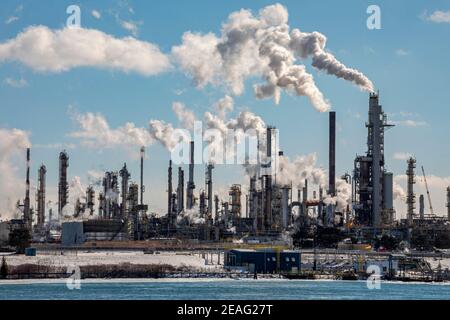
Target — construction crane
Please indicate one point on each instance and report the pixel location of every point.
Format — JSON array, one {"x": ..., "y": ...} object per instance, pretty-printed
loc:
[{"x": 428, "y": 192}]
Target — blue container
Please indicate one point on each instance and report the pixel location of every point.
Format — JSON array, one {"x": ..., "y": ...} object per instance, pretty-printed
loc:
[{"x": 30, "y": 252}]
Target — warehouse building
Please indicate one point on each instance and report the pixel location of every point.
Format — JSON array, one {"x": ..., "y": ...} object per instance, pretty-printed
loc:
[{"x": 263, "y": 261}]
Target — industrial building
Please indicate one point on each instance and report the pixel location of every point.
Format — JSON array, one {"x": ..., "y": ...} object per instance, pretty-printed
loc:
[
  {"x": 263, "y": 260},
  {"x": 271, "y": 210}
]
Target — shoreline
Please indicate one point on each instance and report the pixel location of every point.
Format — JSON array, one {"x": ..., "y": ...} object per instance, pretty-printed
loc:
[{"x": 203, "y": 280}]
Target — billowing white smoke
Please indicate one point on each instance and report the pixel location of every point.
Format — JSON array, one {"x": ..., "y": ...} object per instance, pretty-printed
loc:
[
  {"x": 224, "y": 106},
  {"x": 262, "y": 45},
  {"x": 343, "y": 198},
  {"x": 399, "y": 193},
  {"x": 297, "y": 171},
  {"x": 166, "y": 134},
  {"x": 13, "y": 143},
  {"x": 190, "y": 216},
  {"x": 184, "y": 115},
  {"x": 76, "y": 192}
]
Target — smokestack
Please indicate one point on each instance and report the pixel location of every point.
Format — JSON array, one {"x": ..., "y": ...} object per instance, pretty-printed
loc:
[
  {"x": 142, "y": 175},
  {"x": 180, "y": 191},
  {"x": 209, "y": 185},
  {"x": 448, "y": 204},
  {"x": 63, "y": 186},
  {"x": 191, "y": 185},
  {"x": 421, "y": 206},
  {"x": 90, "y": 198},
  {"x": 169, "y": 193},
  {"x": 332, "y": 155},
  {"x": 125, "y": 175},
  {"x": 41, "y": 196},
  {"x": 26, "y": 203}
]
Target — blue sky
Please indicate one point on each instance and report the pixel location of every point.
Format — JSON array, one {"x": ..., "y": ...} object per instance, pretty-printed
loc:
[{"x": 407, "y": 60}]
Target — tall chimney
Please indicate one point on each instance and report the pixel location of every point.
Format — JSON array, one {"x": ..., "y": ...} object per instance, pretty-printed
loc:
[
  {"x": 41, "y": 196},
  {"x": 125, "y": 175},
  {"x": 26, "y": 204},
  {"x": 448, "y": 204},
  {"x": 191, "y": 185},
  {"x": 410, "y": 195},
  {"x": 332, "y": 155},
  {"x": 180, "y": 191},
  {"x": 169, "y": 193},
  {"x": 142, "y": 175},
  {"x": 63, "y": 186},
  {"x": 209, "y": 185}
]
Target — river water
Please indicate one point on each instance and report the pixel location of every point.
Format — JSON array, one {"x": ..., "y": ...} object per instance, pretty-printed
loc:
[{"x": 221, "y": 289}]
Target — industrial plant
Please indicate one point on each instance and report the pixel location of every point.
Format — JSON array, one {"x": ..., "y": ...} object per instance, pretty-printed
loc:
[{"x": 270, "y": 214}]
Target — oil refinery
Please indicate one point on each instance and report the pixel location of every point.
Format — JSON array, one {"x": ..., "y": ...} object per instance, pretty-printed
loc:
[{"x": 270, "y": 214}]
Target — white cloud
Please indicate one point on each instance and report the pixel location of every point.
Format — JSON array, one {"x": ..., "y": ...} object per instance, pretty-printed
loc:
[
  {"x": 401, "y": 156},
  {"x": 96, "y": 14},
  {"x": 57, "y": 146},
  {"x": 437, "y": 185},
  {"x": 19, "y": 83},
  {"x": 11, "y": 19},
  {"x": 95, "y": 132},
  {"x": 411, "y": 123},
  {"x": 46, "y": 50},
  {"x": 130, "y": 26},
  {"x": 438, "y": 16},
  {"x": 401, "y": 52}
]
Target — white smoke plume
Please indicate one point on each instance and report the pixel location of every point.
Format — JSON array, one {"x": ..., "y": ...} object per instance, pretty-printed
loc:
[
  {"x": 184, "y": 115},
  {"x": 343, "y": 198},
  {"x": 190, "y": 216},
  {"x": 262, "y": 45},
  {"x": 166, "y": 134},
  {"x": 224, "y": 106},
  {"x": 399, "y": 192},
  {"x": 301, "y": 169},
  {"x": 13, "y": 144},
  {"x": 46, "y": 50}
]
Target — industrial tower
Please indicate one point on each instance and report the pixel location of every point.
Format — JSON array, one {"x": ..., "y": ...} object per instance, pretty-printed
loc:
[
  {"x": 63, "y": 186},
  {"x": 410, "y": 195},
  {"x": 41, "y": 196},
  {"x": 373, "y": 186}
]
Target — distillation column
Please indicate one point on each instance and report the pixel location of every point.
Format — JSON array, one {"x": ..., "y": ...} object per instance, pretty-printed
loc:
[
  {"x": 190, "y": 185},
  {"x": 125, "y": 175},
  {"x": 410, "y": 196},
  {"x": 63, "y": 186},
  {"x": 41, "y": 196}
]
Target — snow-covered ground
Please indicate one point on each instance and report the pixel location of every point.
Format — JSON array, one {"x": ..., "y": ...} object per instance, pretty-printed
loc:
[{"x": 70, "y": 258}]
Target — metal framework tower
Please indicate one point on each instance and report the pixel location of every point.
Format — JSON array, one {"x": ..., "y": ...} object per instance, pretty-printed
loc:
[
  {"x": 90, "y": 199},
  {"x": 27, "y": 214},
  {"x": 142, "y": 175},
  {"x": 410, "y": 195},
  {"x": 125, "y": 175},
  {"x": 41, "y": 196},
  {"x": 369, "y": 173},
  {"x": 169, "y": 193},
  {"x": 190, "y": 185},
  {"x": 180, "y": 191},
  {"x": 63, "y": 186},
  {"x": 209, "y": 188},
  {"x": 448, "y": 204}
]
